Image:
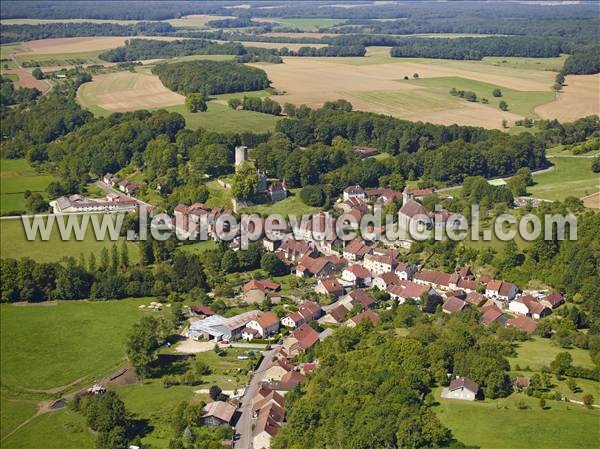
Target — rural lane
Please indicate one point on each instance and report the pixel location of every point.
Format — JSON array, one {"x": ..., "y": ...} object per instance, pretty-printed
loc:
[{"x": 244, "y": 425}]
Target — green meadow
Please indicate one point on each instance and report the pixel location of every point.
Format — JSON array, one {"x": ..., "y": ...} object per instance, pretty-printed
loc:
[
  {"x": 17, "y": 176},
  {"x": 308, "y": 24},
  {"x": 51, "y": 60},
  {"x": 539, "y": 352},
  {"x": 570, "y": 176},
  {"x": 54, "y": 344},
  {"x": 501, "y": 424},
  {"x": 14, "y": 243},
  {"x": 519, "y": 102},
  {"x": 291, "y": 205}
]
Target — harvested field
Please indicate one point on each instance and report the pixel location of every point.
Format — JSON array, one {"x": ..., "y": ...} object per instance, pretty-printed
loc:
[
  {"x": 278, "y": 45},
  {"x": 126, "y": 91},
  {"x": 26, "y": 79},
  {"x": 580, "y": 98},
  {"x": 381, "y": 87},
  {"x": 80, "y": 44}
]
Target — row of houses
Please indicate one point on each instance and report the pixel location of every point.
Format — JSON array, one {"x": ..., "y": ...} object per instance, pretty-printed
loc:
[{"x": 129, "y": 188}]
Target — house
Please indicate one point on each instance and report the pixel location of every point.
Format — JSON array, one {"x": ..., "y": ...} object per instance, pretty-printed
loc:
[
  {"x": 414, "y": 212},
  {"x": 78, "y": 203},
  {"x": 468, "y": 285},
  {"x": 217, "y": 413},
  {"x": 307, "y": 312},
  {"x": 276, "y": 369},
  {"x": 314, "y": 267},
  {"x": 410, "y": 194},
  {"x": 380, "y": 263},
  {"x": 265, "y": 428},
  {"x": 492, "y": 314},
  {"x": 361, "y": 298},
  {"x": 269, "y": 412},
  {"x": 437, "y": 279},
  {"x": 256, "y": 290},
  {"x": 553, "y": 301},
  {"x": 365, "y": 151},
  {"x": 461, "y": 388},
  {"x": 529, "y": 306},
  {"x": 265, "y": 324},
  {"x": 405, "y": 271},
  {"x": 356, "y": 250},
  {"x": 301, "y": 340},
  {"x": 453, "y": 305},
  {"x": 289, "y": 381},
  {"x": 504, "y": 291},
  {"x": 336, "y": 316},
  {"x": 521, "y": 383},
  {"x": 329, "y": 286},
  {"x": 278, "y": 191},
  {"x": 410, "y": 290},
  {"x": 367, "y": 314},
  {"x": 354, "y": 192},
  {"x": 217, "y": 327},
  {"x": 203, "y": 311},
  {"x": 292, "y": 250},
  {"x": 358, "y": 275},
  {"x": 476, "y": 299},
  {"x": 524, "y": 323},
  {"x": 386, "y": 280}
]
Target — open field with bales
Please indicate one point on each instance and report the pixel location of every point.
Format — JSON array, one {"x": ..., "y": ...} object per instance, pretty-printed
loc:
[
  {"x": 14, "y": 244},
  {"x": 17, "y": 176}
]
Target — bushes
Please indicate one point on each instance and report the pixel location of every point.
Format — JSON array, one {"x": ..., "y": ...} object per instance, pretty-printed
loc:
[
  {"x": 212, "y": 77},
  {"x": 312, "y": 195}
]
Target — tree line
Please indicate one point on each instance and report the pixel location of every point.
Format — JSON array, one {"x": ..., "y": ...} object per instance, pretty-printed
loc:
[
  {"x": 211, "y": 77},
  {"x": 9, "y": 95},
  {"x": 19, "y": 33},
  {"x": 139, "y": 49}
]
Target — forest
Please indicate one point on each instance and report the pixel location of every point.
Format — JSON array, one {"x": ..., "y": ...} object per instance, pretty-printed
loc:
[
  {"x": 20, "y": 33},
  {"x": 211, "y": 77},
  {"x": 476, "y": 48},
  {"x": 10, "y": 95},
  {"x": 140, "y": 49}
]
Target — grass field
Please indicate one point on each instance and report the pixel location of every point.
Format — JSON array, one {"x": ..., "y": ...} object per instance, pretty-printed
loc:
[
  {"x": 61, "y": 59},
  {"x": 62, "y": 429},
  {"x": 291, "y": 205},
  {"x": 579, "y": 97},
  {"x": 16, "y": 176},
  {"x": 12, "y": 77},
  {"x": 306, "y": 24},
  {"x": 220, "y": 117},
  {"x": 571, "y": 176},
  {"x": 13, "y": 412},
  {"x": 13, "y": 243},
  {"x": 72, "y": 340},
  {"x": 519, "y": 102},
  {"x": 499, "y": 424},
  {"x": 198, "y": 247},
  {"x": 539, "y": 352},
  {"x": 552, "y": 64},
  {"x": 218, "y": 196}
]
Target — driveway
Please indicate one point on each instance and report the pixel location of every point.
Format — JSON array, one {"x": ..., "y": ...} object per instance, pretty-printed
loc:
[{"x": 244, "y": 424}]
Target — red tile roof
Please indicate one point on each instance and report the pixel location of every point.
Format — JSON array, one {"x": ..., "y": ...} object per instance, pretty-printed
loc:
[
  {"x": 366, "y": 315},
  {"x": 454, "y": 304},
  {"x": 306, "y": 336},
  {"x": 524, "y": 323}
]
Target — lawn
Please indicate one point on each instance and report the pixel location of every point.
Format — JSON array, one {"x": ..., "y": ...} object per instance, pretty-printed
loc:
[
  {"x": 218, "y": 196},
  {"x": 571, "y": 176},
  {"x": 539, "y": 352},
  {"x": 13, "y": 411},
  {"x": 220, "y": 117},
  {"x": 519, "y": 102},
  {"x": 13, "y": 243},
  {"x": 292, "y": 205},
  {"x": 50, "y": 345},
  {"x": 62, "y": 429},
  {"x": 499, "y": 424},
  {"x": 11, "y": 76},
  {"x": 154, "y": 403},
  {"x": 198, "y": 247},
  {"x": 16, "y": 176}
]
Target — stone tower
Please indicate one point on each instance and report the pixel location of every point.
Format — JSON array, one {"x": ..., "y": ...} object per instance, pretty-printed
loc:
[{"x": 241, "y": 155}]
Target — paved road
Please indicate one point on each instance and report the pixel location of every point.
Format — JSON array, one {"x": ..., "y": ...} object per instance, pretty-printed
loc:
[{"x": 244, "y": 424}]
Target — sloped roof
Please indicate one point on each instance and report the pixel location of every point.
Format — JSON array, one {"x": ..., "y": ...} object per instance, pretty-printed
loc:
[
  {"x": 464, "y": 382},
  {"x": 219, "y": 409},
  {"x": 454, "y": 304},
  {"x": 412, "y": 208},
  {"x": 267, "y": 319},
  {"x": 524, "y": 323},
  {"x": 306, "y": 336},
  {"x": 368, "y": 314}
]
